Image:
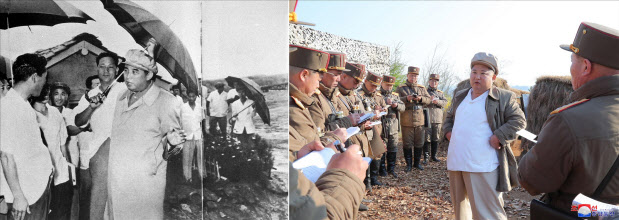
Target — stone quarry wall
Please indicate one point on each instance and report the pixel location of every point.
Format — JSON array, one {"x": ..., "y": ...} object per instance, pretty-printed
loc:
[{"x": 374, "y": 56}]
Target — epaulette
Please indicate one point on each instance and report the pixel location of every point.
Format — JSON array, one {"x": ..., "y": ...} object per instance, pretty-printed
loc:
[
  {"x": 298, "y": 102},
  {"x": 378, "y": 93},
  {"x": 562, "y": 108},
  {"x": 401, "y": 85},
  {"x": 317, "y": 92},
  {"x": 439, "y": 91},
  {"x": 395, "y": 93},
  {"x": 421, "y": 86}
]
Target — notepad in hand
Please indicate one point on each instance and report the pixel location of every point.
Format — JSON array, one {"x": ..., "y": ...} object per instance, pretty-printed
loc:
[
  {"x": 352, "y": 131},
  {"x": 366, "y": 117},
  {"x": 315, "y": 163}
]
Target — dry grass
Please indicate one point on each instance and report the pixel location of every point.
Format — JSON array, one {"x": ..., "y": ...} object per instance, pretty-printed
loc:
[{"x": 548, "y": 94}]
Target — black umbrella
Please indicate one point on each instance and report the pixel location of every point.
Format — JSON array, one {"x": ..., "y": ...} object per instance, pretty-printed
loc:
[
  {"x": 143, "y": 25},
  {"x": 253, "y": 93},
  {"x": 39, "y": 12}
]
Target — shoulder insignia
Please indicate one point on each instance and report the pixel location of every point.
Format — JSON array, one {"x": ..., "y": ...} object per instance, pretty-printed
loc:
[
  {"x": 378, "y": 94},
  {"x": 298, "y": 102},
  {"x": 402, "y": 85},
  {"x": 562, "y": 108},
  {"x": 439, "y": 91},
  {"x": 317, "y": 92},
  {"x": 421, "y": 86},
  {"x": 395, "y": 93}
]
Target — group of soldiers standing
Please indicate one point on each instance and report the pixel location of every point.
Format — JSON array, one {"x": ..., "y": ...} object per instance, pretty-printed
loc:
[{"x": 345, "y": 93}]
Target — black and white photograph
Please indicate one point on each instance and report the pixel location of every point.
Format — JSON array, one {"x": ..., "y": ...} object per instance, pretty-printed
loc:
[{"x": 143, "y": 110}]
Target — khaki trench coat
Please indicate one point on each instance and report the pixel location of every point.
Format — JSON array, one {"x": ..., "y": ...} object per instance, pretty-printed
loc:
[{"x": 137, "y": 171}]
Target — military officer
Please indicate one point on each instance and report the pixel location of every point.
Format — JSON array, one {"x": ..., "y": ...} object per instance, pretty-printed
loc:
[
  {"x": 306, "y": 68},
  {"x": 415, "y": 96},
  {"x": 374, "y": 101},
  {"x": 391, "y": 126},
  {"x": 327, "y": 103},
  {"x": 438, "y": 101},
  {"x": 578, "y": 144}
]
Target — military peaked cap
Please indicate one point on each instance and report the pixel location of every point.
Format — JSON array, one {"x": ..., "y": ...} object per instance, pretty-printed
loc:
[
  {"x": 413, "y": 70},
  {"x": 597, "y": 43},
  {"x": 356, "y": 70},
  {"x": 308, "y": 58}
]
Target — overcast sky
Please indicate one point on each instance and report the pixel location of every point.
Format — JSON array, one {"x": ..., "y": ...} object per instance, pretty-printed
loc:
[
  {"x": 245, "y": 38},
  {"x": 183, "y": 17},
  {"x": 524, "y": 35}
]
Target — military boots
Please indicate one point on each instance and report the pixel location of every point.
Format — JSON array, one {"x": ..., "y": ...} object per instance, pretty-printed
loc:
[
  {"x": 417, "y": 156},
  {"x": 408, "y": 157},
  {"x": 434, "y": 151}
]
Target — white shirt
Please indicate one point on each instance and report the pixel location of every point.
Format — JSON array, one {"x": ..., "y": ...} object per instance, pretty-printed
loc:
[
  {"x": 55, "y": 131},
  {"x": 69, "y": 118},
  {"x": 100, "y": 120},
  {"x": 469, "y": 148},
  {"x": 231, "y": 94},
  {"x": 179, "y": 99},
  {"x": 245, "y": 116},
  {"x": 191, "y": 119},
  {"x": 21, "y": 137},
  {"x": 218, "y": 105}
]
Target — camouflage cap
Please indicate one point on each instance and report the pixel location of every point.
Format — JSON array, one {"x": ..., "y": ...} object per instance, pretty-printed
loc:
[
  {"x": 434, "y": 76},
  {"x": 597, "y": 43},
  {"x": 337, "y": 61},
  {"x": 388, "y": 79},
  {"x": 308, "y": 58},
  {"x": 356, "y": 70},
  {"x": 374, "y": 78},
  {"x": 413, "y": 70},
  {"x": 141, "y": 60}
]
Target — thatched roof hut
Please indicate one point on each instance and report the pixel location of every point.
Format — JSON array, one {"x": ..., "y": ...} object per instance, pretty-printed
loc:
[{"x": 548, "y": 94}]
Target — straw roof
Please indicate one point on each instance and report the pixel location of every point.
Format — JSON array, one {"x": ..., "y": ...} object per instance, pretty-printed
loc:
[{"x": 548, "y": 94}]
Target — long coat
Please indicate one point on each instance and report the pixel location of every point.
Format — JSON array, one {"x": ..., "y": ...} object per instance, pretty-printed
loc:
[
  {"x": 505, "y": 118},
  {"x": 137, "y": 171}
]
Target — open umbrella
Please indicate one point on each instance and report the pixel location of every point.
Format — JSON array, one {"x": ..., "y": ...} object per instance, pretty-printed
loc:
[
  {"x": 143, "y": 25},
  {"x": 255, "y": 94},
  {"x": 39, "y": 12},
  {"x": 5, "y": 66}
]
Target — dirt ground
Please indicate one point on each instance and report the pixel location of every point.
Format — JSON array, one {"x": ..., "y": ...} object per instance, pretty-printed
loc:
[
  {"x": 425, "y": 194},
  {"x": 224, "y": 199}
]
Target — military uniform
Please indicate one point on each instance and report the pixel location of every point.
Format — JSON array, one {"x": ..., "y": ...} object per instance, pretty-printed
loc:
[
  {"x": 412, "y": 119},
  {"x": 303, "y": 129},
  {"x": 373, "y": 100},
  {"x": 436, "y": 120},
  {"x": 350, "y": 102},
  {"x": 327, "y": 102},
  {"x": 391, "y": 126},
  {"x": 579, "y": 142}
]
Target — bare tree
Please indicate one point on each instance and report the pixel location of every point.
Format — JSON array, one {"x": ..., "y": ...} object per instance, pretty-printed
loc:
[
  {"x": 397, "y": 66},
  {"x": 437, "y": 63}
]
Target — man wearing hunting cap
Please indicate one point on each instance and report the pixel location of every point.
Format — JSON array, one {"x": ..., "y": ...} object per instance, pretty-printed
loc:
[
  {"x": 305, "y": 71},
  {"x": 578, "y": 146},
  {"x": 327, "y": 103},
  {"x": 390, "y": 124},
  {"x": 146, "y": 123},
  {"x": 438, "y": 101},
  {"x": 374, "y": 101},
  {"x": 480, "y": 125},
  {"x": 415, "y": 96}
]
